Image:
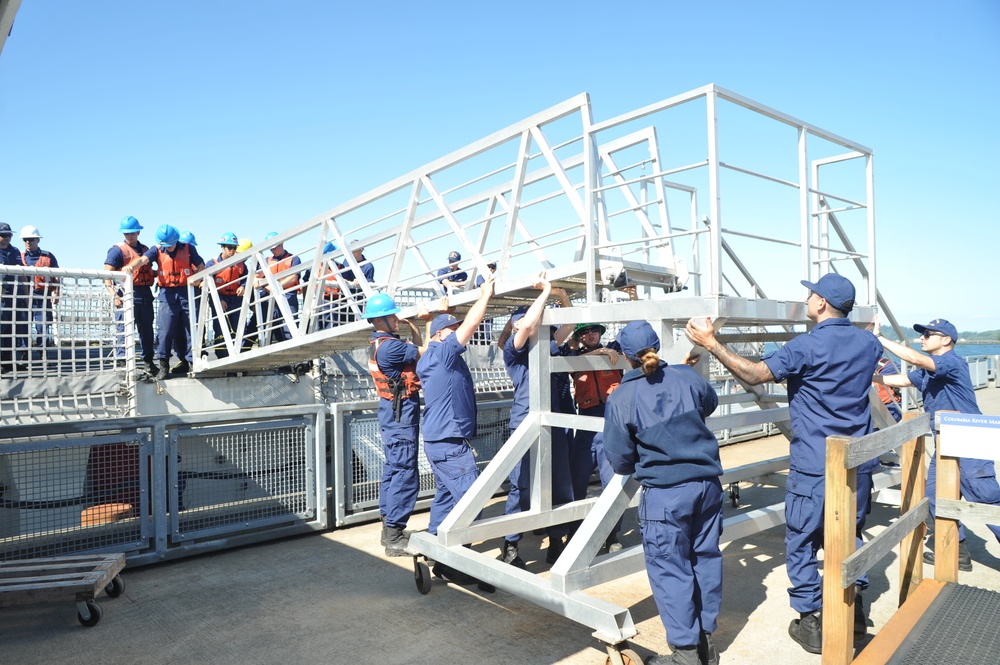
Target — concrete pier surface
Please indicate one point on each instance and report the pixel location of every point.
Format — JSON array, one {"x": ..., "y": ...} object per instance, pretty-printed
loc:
[{"x": 336, "y": 598}]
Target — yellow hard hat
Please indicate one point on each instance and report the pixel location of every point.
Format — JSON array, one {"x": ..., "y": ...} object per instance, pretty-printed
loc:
[{"x": 245, "y": 244}]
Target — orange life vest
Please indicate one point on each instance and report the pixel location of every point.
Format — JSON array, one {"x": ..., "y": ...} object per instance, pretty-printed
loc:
[
  {"x": 406, "y": 386},
  {"x": 887, "y": 394},
  {"x": 331, "y": 289},
  {"x": 592, "y": 388},
  {"x": 276, "y": 266},
  {"x": 173, "y": 270},
  {"x": 41, "y": 281},
  {"x": 228, "y": 279},
  {"x": 144, "y": 275}
]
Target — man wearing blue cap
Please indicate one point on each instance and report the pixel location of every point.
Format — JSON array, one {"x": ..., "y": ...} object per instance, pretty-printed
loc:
[
  {"x": 9, "y": 256},
  {"x": 943, "y": 379},
  {"x": 451, "y": 277},
  {"x": 829, "y": 375},
  {"x": 654, "y": 428},
  {"x": 450, "y": 408}
]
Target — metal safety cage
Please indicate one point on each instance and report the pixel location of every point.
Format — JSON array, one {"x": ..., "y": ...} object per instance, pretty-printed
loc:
[
  {"x": 240, "y": 476},
  {"x": 66, "y": 352},
  {"x": 70, "y": 494},
  {"x": 159, "y": 487},
  {"x": 357, "y": 457}
]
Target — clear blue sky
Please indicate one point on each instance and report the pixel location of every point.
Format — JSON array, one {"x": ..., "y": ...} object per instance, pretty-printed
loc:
[{"x": 256, "y": 116}]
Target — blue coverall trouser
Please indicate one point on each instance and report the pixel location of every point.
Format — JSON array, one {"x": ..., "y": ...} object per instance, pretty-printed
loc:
[
  {"x": 173, "y": 321},
  {"x": 455, "y": 470},
  {"x": 681, "y": 526},
  {"x": 519, "y": 497},
  {"x": 978, "y": 483},
  {"x": 805, "y": 497},
  {"x": 400, "y": 477}
]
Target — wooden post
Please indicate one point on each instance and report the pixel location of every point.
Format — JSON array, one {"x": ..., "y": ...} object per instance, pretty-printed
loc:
[
  {"x": 914, "y": 486},
  {"x": 840, "y": 524},
  {"x": 946, "y": 530}
]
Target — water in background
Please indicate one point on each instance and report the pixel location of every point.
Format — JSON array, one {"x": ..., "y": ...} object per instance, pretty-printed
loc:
[{"x": 967, "y": 350}]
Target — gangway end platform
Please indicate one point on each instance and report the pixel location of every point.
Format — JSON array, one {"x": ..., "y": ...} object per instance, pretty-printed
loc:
[{"x": 940, "y": 623}]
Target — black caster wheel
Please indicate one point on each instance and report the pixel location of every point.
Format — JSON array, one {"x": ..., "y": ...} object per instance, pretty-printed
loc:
[
  {"x": 629, "y": 657},
  {"x": 116, "y": 587},
  {"x": 486, "y": 587},
  {"x": 734, "y": 495},
  {"x": 90, "y": 613},
  {"x": 422, "y": 577}
]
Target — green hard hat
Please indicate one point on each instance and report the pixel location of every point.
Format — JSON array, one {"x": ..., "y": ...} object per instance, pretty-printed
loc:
[{"x": 580, "y": 327}]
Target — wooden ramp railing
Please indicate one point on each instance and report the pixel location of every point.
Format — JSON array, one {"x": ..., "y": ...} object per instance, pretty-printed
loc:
[{"x": 843, "y": 565}]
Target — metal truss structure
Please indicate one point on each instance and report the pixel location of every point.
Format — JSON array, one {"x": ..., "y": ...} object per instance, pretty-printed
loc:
[{"x": 633, "y": 201}]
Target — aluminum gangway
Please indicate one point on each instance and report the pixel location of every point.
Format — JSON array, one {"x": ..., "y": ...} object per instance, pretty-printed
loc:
[{"x": 703, "y": 204}]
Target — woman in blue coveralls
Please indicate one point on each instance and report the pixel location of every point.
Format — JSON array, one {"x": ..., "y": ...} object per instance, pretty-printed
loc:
[
  {"x": 654, "y": 427},
  {"x": 514, "y": 340}
]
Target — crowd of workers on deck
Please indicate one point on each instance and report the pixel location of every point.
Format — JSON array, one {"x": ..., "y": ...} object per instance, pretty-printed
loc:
[
  {"x": 654, "y": 413},
  {"x": 655, "y": 429}
]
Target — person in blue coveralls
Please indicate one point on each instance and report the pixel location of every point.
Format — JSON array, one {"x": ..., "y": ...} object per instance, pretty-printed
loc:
[
  {"x": 451, "y": 277},
  {"x": 353, "y": 281},
  {"x": 231, "y": 284},
  {"x": 654, "y": 428},
  {"x": 142, "y": 291},
  {"x": 590, "y": 392},
  {"x": 175, "y": 262},
  {"x": 522, "y": 326},
  {"x": 393, "y": 366},
  {"x": 942, "y": 376},
  {"x": 280, "y": 261},
  {"x": 11, "y": 305},
  {"x": 450, "y": 413},
  {"x": 829, "y": 375},
  {"x": 44, "y": 290}
]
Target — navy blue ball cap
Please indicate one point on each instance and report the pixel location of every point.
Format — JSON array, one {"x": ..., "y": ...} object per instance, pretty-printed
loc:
[
  {"x": 835, "y": 289},
  {"x": 442, "y": 321},
  {"x": 5, "y": 228},
  {"x": 939, "y": 325},
  {"x": 518, "y": 313},
  {"x": 637, "y": 336},
  {"x": 454, "y": 257}
]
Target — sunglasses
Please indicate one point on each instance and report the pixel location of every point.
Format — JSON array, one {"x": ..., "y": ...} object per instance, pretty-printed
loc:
[
  {"x": 927, "y": 334},
  {"x": 232, "y": 247},
  {"x": 6, "y": 235}
]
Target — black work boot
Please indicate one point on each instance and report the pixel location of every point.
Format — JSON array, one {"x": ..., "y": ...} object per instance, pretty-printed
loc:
[
  {"x": 680, "y": 656},
  {"x": 556, "y": 546},
  {"x": 509, "y": 555},
  {"x": 150, "y": 368},
  {"x": 395, "y": 540},
  {"x": 860, "y": 618},
  {"x": 808, "y": 631},
  {"x": 964, "y": 558},
  {"x": 612, "y": 545},
  {"x": 181, "y": 368},
  {"x": 707, "y": 653},
  {"x": 164, "y": 372}
]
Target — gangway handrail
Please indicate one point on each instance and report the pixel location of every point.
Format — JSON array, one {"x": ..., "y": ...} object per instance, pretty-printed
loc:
[{"x": 842, "y": 563}]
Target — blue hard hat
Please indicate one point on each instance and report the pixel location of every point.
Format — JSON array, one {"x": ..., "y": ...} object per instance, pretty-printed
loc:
[
  {"x": 229, "y": 239},
  {"x": 188, "y": 238},
  {"x": 329, "y": 247},
  {"x": 272, "y": 234},
  {"x": 167, "y": 235},
  {"x": 129, "y": 225},
  {"x": 380, "y": 304}
]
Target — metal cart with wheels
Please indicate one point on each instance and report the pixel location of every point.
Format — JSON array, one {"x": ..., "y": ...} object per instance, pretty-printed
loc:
[{"x": 75, "y": 578}]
